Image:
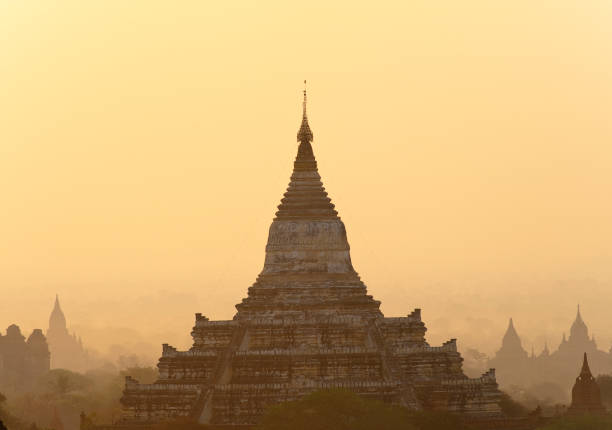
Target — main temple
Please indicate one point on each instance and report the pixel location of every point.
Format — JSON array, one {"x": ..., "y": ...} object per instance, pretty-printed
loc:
[{"x": 307, "y": 324}]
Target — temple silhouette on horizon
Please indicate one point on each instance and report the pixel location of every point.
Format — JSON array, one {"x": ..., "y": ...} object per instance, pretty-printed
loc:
[
  {"x": 515, "y": 366},
  {"x": 67, "y": 351},
  {"x": 306, "y": 324},
  {"x": 22, "y": 361}
]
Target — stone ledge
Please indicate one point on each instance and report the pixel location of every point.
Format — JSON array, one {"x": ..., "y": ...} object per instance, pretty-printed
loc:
[
  {"x": 309, "y": 385},
  {"x": 309, "y": 351}
]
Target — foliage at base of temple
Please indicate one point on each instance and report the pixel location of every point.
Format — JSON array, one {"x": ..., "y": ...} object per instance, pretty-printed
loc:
[
  {"x": 605, "y": 386},
  {"x": 7, "y": 420},
  {"x": 59, "y": 396},
  {"x": 512, "y": 408},
  {"x": 344, "y": 410},
  {"x": 584, "y": 422},
  {"x": 97, "y": 393}
]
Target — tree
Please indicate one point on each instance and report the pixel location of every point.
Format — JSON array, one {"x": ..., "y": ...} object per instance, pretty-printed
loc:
[
  {"x": 437, "y": 420},
  {"x": 605, "y": 386},
  {"x": 511, "y": 407},
  {"x": 7, "y": 419},
  {"x": 583, "y": 422},
  {"x": 548, "y": 393},
  {"x": 345, "y": 410},
  {"x": 61, "y": 381},
  {"x": 335, "y": 410}
]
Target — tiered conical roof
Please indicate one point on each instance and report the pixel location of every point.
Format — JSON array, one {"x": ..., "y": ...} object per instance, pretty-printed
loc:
[
  {"x": 511, "y": 343},
  {"x": 579, "y": 331},
  {"x": 511, "y": 337},
  {"x": 306, "y": 197},
  {"x": 585, "y": 372},
  {"x": 57, "y": 320},
  {"x": 308, "y": 263}
]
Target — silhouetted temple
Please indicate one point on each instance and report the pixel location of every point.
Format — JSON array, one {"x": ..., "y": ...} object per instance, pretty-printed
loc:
[
  {"x": 515, "y": 367},
  {"x": 306, "y": 324},
  {"x": 67, "y": 350},
  {"x": 586, "y": 397},
  {"x": 22, "y": 362},
  {"x": 579, "y": 340},
  {"x": 511, "y": 344},
  {"x": 511, "y": 361}
]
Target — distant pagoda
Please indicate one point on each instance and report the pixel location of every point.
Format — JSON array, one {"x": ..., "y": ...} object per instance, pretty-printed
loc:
[
  {"x": 586, "y": 396},
  {"x": 67, "y": 350},
  {"x": 512, "y": 347},
  {"x": 511, "y": 361},
  {"x": 515, "y": 367},
  {"x": 307, "y": 324}
]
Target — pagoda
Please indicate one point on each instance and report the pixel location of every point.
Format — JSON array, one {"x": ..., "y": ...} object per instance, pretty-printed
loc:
[
  {"x": 67, "y": 351},
  {"x": 511, "y": 361},
  {"x": 307, "y": 324},
  {"x": 586, "y": 396}
]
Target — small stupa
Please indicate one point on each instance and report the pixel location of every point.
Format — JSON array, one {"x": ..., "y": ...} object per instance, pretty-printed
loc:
[{"x": 586, "y": 396}]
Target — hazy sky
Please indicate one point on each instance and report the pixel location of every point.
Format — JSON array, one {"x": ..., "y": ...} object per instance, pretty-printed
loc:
[{"x": 467, "y": 145}]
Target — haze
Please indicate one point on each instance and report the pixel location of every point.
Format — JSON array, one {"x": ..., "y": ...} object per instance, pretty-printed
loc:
[{"x": 467, "y": 146}]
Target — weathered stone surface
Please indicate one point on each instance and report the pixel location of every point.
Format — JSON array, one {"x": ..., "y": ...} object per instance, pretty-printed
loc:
[{"x": 306, "y": 324}]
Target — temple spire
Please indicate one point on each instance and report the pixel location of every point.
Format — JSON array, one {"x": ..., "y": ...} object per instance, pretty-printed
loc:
[
  {"x": 306, "y": 197},
  {"x": 307, "y": 269},
  {"x": 586, "y": 395},
  {"x": 579, "y": 330},
  {"x": 304, "y": 114},
  {"x": 511, "y": 331},
  {"x": 304, "y": 134},
  {"x": 511, "y": 341},
  {"x": 57, "y": 320},
  {"x": 586, "y": 371}
]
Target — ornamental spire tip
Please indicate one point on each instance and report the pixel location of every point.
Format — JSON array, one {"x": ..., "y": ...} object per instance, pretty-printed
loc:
[
  {"x": 304, "y": 114},
  {"x": 304, "y": 134}
]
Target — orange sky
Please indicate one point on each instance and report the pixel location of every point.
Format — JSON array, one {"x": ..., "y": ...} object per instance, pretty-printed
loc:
[{"x": 144, "y": 146}]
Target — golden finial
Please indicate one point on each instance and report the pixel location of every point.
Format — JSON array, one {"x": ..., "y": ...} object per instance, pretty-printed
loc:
[
  {"x": 305, "y": 100},
  {"x": 304, "y": 134}
]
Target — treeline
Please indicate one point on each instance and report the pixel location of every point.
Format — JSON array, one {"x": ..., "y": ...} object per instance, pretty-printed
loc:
[
  {"x": 59, "y": 397},
  {"x": 344, "y": 410}
]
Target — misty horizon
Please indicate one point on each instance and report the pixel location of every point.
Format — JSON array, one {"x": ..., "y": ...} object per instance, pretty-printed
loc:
[{"x": 141, "y": 169}]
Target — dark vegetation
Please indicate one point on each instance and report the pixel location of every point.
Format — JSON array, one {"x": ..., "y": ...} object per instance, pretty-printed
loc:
[
  {"x": 585, "y": 422},
  {"x": 60, "y": 396},
  {"x": 605, "y": 386},
  {"x": 344, "y": 410},
  {"x": 512, "y": 408},
  {"x": 64, "y": 394}
]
